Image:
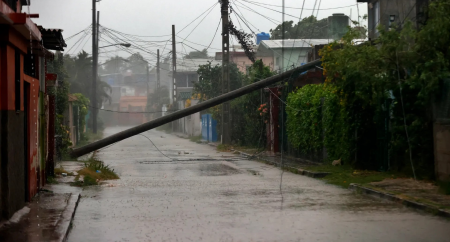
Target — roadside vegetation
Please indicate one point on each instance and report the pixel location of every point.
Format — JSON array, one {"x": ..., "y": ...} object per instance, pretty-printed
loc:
[
  {"x": 345, "y": 175},
  {"x": 93, "y": 172},
  {"x": 196, "y": 139}
]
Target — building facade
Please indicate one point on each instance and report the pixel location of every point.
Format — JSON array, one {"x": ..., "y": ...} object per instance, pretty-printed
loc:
[
  {"x": 24, "y": 105},
  {"x": 390, "y": 13}
]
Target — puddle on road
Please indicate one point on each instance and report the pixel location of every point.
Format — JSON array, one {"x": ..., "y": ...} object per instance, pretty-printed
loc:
[
  {"x": 175, "y": 160},
  {"x": 217, "y": 170}
]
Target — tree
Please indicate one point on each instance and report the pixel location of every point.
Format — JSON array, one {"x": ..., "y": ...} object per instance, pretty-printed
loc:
[
  {"x": 79, "y": 72},
  {"x": 61, "y": 93},
  {"x": 197, "y": 54},
  {"x": 405, "y": 66},
  {"x": 210, "y": 80},
  {"x": 249, "y": 126},
  {"x": 136, "y": 64},
  {"x": 113, "y": 65},
  {"x": 307, "y": 28}
]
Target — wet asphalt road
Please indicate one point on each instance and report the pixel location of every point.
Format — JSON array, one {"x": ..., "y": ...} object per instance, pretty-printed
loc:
[{"x": 222, "y": 197}]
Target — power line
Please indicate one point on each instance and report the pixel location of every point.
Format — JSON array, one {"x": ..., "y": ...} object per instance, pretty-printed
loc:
[
  {"x": 200, "y": 21},
  {"x": 156, "y": 146},
  {"x": 240, "y": 12},
  {"x": 197, "y": 18},
  {"x": 86, "y": 32},
  {"x": 271, "y": 9},
  {"x": 244, "y": 22},
  {"x": 198, "y": 43},
  {"x": 274, "y": 21},
  {"x": 70, "y": 37},
  {"x": 301, "y": 7},
  {"x": 296, "y": 31},
  {"x": 113, "y": 111},
  {"x": 220, "y": 21}
]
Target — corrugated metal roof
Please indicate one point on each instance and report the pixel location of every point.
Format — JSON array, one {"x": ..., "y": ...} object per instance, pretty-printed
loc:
[
  {"x": 52, "y": 38},
  {"x": 191, "y": 65},
  {"x": 294, "y": 43}
]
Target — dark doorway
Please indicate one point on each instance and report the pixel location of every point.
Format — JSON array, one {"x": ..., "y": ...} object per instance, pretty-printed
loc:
[{"x": 26, "y": 117}]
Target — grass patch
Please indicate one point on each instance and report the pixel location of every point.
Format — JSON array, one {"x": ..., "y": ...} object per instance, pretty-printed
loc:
[
  {"x": 345, "y": 175},
  {"x": 98, "y": 170},
  {"x": 444, "y": 187},
  {"x": 94, "y": 171},
  {"x": 196, "y": 139},
  {"x": 224, "y": 148},
  {"x": 51, "y": 180}
]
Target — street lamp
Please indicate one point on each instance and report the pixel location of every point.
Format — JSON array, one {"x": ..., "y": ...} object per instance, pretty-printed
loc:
[{"x": 122, "y": 44}]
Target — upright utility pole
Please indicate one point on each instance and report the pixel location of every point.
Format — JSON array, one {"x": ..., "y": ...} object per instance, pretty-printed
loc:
[
  {"x": 94, "y": 69},
  {"x": 158, "y": 80},
  {"x": 148, "y": 80},
  {"x": 226, "y": 137},
  {"x": 174, "y": 67}
]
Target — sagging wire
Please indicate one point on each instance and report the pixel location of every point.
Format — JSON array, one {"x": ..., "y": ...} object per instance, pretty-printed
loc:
[
  {"x": 404, "y": 117},
  {"x": 156, "y": 147},
  {"x": 114, "y": 111}
]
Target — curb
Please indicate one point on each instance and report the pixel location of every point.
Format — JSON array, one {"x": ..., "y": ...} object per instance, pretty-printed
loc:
[
  {"x": 67, "y": 217},
  {"x": 391, "y": 197},
  {"x": 289, "y": 168}
]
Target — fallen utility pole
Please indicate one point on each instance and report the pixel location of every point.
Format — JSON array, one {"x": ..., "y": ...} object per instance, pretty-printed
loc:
[{"x": 191, "y": 110}]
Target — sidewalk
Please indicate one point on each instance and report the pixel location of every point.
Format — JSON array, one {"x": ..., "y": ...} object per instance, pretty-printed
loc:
[
  {"x": 47, "y": 217},
  {"x": 420, "y": 195}
]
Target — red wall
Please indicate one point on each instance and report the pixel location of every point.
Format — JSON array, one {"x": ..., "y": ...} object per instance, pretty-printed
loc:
[{"x": 7, "y": 97}]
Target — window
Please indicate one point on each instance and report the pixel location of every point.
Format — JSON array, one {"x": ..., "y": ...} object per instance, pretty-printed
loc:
[
  {"x": 182, "y": 80},
  {"x": 191, "y": 79}
]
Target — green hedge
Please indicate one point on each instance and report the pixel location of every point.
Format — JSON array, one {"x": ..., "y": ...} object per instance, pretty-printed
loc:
[{"x": 317, "y": 118}]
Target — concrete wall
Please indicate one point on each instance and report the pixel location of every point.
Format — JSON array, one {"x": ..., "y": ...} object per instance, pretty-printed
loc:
[
  {"x": 400, "y": 9},
  {"x": 442, "y": 150}
]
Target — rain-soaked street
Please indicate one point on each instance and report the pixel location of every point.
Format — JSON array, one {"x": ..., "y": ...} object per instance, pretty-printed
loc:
[{"x": 204, "y": 195}]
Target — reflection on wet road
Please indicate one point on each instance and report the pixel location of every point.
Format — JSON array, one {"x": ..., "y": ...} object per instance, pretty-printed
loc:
[{"x": 204, "y": 195}]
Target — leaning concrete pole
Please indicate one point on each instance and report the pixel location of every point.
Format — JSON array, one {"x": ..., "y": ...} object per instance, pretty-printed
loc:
[{"x": 191, "y": 110}]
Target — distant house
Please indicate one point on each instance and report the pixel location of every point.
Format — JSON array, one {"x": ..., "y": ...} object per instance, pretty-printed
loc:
[
  {"x": 128, "y": 94},
  {"x": 187, "y": 75},
  {"x": 240, "y": 58},
  {"x": 185, "y": 79},
  {"x": 388, "y": 13},
  {"x": 287, "y": 53}
]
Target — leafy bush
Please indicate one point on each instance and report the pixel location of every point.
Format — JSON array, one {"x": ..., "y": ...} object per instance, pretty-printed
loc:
[
  {"x": 405, "y": 66},
  {"x": 317, "y": 118}
]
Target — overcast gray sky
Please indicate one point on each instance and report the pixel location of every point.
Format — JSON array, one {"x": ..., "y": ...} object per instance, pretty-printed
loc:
[{"x": 155, "y": 18}]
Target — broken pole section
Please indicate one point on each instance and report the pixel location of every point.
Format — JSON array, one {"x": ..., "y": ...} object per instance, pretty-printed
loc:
[{"x": 191, "y": 110}]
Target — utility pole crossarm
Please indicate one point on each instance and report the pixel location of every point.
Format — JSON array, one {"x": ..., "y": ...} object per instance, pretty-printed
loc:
[{"x": 191, "y": 110}]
